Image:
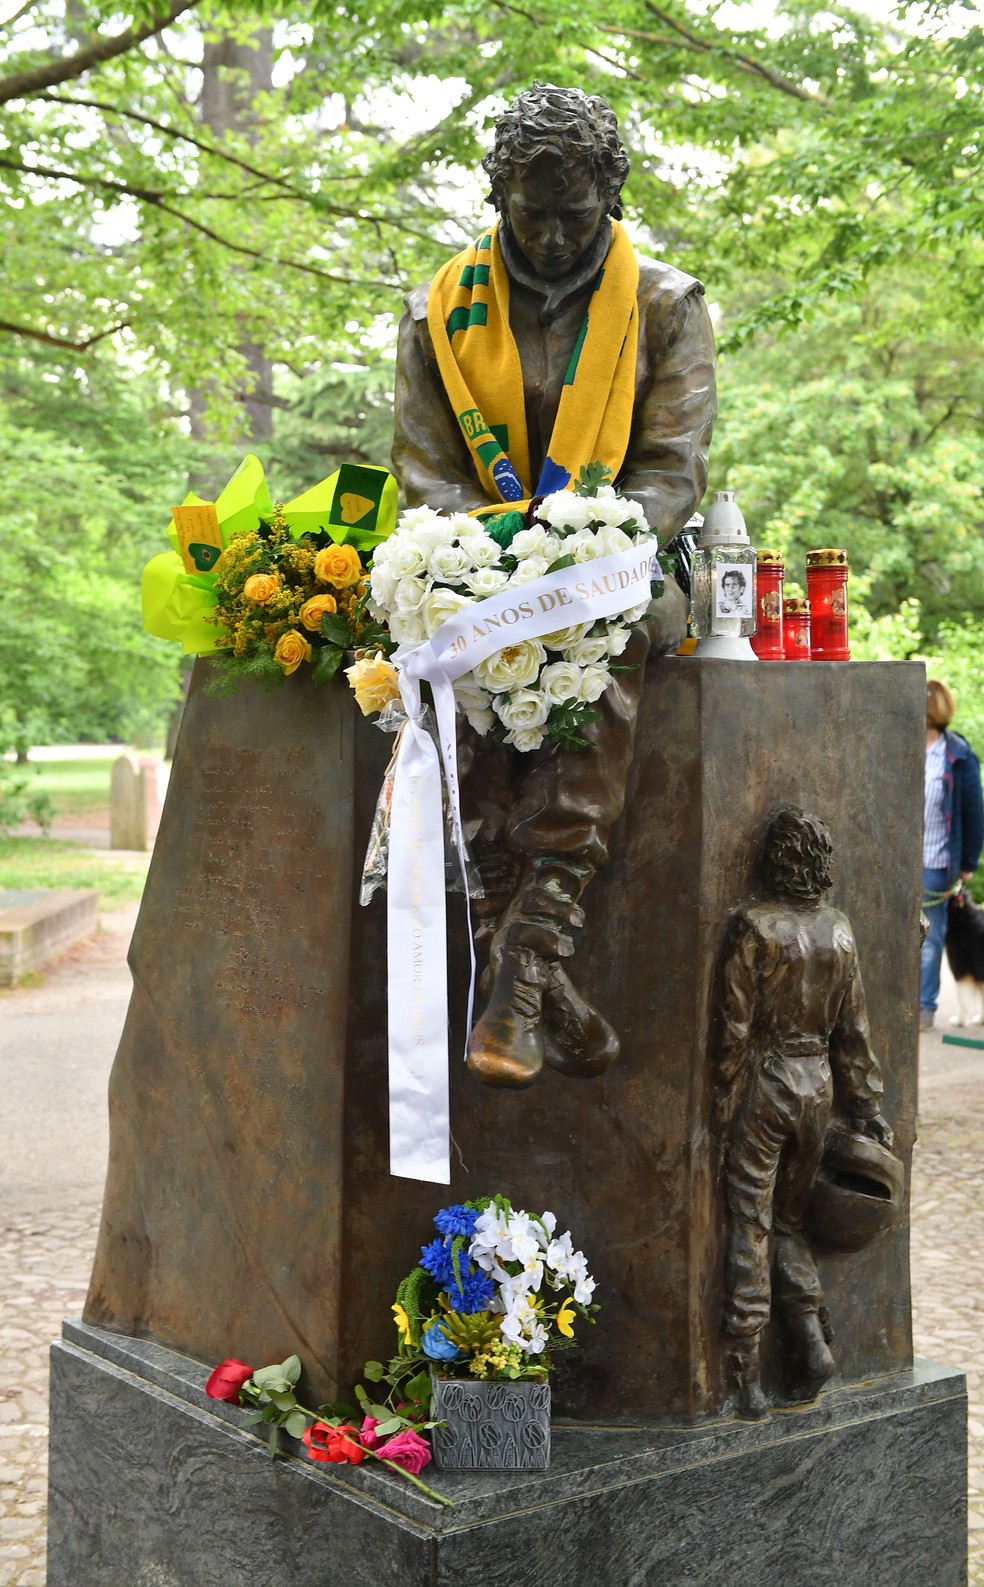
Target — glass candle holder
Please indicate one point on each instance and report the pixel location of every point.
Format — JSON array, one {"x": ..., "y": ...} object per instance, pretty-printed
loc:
[
  {"x": 722, "y": 590},
  {"x": 826, "y": 589},
  {"x": 796, "y": 628},
  {"x": 767, "y": 640}
]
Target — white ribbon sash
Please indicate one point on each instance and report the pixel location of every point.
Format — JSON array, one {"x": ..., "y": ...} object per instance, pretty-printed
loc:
[{"x": 420, "y": 1124}]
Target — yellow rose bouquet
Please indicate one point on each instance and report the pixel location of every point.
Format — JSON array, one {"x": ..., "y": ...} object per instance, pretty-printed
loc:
[
  {"x": 267, "y": 590},
  {"x": 281, "y": 602}
]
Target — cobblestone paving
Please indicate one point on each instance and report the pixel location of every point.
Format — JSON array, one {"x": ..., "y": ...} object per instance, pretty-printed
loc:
[{"x": 46, "y": 1253}]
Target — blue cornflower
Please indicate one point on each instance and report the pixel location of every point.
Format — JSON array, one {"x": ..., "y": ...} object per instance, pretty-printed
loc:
[
  {"x": 436, "y": 1258},
  {"x": 456, "y": 1220},
  {"x": 477, "y": 1290}
]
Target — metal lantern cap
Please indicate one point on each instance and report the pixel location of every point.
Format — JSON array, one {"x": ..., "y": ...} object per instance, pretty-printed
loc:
[
  {"x": 723, "y": 523},
  {"x": 795, "y": 606},
  {"x": 769, "y": 557},
  {"x": 827, "y": 558}
]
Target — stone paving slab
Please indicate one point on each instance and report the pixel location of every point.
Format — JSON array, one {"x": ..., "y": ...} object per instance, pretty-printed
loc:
[{"x": 49, "y": 1218}]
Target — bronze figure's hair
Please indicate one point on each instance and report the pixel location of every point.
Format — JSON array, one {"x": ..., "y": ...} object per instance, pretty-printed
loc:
[
  {"x": 941, "y": 704},
  {"x": 797, "y": 853},
  {"x": 578, "y": 128}
]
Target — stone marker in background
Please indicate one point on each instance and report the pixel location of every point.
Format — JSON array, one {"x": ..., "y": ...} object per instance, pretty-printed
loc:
[{"x": 136, "y": 798}]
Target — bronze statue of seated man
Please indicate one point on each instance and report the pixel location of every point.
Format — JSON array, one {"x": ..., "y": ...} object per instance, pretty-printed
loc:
[{"x": 539, "y": 822}]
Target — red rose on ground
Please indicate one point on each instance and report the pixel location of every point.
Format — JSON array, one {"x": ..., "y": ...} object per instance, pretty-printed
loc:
[
  {"x": 227, "y": 1379},
  {"x": 407, "y": 1450},
  {"x": 340, "y": 1445}
]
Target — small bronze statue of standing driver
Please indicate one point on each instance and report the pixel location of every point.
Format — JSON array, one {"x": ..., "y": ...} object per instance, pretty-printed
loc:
[{"x": 795, "y": 1044}]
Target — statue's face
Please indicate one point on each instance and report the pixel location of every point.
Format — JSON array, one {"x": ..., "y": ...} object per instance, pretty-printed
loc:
[{"x": 554, "y": 214}]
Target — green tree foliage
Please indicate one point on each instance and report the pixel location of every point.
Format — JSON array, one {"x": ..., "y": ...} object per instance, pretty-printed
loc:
[
  {"x": 86, "y": 505},
  {"x": 821, "y": 172},
  {"x": 865, "y": 431},
  {"x": 808, "y": 154}
]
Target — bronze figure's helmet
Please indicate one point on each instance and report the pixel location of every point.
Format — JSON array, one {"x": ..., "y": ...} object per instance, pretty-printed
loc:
[{"x": 857, "y": 1194}]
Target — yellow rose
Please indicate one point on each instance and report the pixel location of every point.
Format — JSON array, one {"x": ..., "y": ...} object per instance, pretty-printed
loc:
[
  {"x": 338, "y": 565},
  {"x": 375, "y": 682},
  {"x": 292, "y": 649},
  {"x": 260, "y": 587},
  {"x": 314, "y": 610}
]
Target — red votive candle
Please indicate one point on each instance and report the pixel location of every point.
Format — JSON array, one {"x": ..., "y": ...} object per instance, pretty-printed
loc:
[
  {"x": 796, "y": 628},
  {"x": 826, "y": 588},
  {"x": 767, "y": 638}
]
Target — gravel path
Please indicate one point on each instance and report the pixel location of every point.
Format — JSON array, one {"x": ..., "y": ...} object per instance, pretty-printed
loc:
[{"x": 57, "y": 1042}]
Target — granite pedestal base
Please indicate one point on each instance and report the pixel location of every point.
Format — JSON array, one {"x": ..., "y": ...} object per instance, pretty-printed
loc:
[{"x": 153, "y": 1485}]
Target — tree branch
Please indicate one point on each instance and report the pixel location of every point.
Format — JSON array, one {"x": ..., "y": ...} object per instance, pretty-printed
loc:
[
  {"x": 65, "y": 68},
  {"x": 61, "y": 341},
  {"x": 745, "y": 63},
  {"x": 148, "y": 195}
]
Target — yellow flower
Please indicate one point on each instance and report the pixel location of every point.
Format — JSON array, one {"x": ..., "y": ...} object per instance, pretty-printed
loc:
[
  {"x": 260, "y": 587},
  {"x": 292, "y": 649},
  {"x": 565, "y": 1320},
  {"x": 402, "y": 1324},
  {"x": 338, "y": 565},
  {"x": 375, "y": 682},
  {"x": 315, "y": 609}
]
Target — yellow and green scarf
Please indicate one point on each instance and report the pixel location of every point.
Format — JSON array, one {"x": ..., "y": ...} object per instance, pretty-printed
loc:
[{"x": 468, "y": 317}]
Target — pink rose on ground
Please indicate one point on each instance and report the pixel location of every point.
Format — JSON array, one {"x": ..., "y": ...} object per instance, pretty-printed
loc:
[
  {"x": 227, "y": 1379},
  {"x": 367, "y": 1436},
  {"x": 406, "y": 1450}
]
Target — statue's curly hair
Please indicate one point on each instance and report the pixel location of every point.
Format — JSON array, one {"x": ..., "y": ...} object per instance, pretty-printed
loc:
[
  {"x": 578, "y": 128},
  {"x": 797, "y": 853}
]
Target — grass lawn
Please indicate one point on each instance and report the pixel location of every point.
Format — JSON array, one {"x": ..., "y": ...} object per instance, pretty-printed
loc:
[
  {"x": 44, "y": 862},
  {"x": 75, "y": 787}
]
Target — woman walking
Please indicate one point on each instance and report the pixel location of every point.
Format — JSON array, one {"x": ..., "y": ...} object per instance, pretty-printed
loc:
[{"x": 953, "y": 831}]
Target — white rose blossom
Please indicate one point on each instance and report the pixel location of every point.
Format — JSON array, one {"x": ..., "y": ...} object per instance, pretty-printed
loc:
[
  {"x": 513, "y": 667},
  {"x": 525, "y": 738},
  {"x": 439, "y": 604},
  {"x": 594, "y": 682},
  {"x": 560, "y": 681},
  {"x": 617, "y": 640},
  {"x": 521, "y": 708},
  {"x": 449, "y": 563},
  {"x": 562, "y": 637},
  {"x": 486, "y": 581},
  {"x": 585, "y": 652},
  {"x": 536, "y": 542},
  {"x": 526, "y": 572},
  {"x": 563, "y": 510},
  {"x": 407, "y": 628}
]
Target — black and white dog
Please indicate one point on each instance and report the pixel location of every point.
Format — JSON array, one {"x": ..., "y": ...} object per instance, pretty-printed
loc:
[{"x": 965, "y": 955}]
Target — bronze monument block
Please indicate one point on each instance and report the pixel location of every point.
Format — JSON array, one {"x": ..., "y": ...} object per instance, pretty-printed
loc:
[{"x": 249, "y": 1210}]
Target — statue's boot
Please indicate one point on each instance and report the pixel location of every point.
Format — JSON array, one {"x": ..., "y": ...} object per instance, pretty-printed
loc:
[
  {"x": 811, "y": 1363},
  {"x": 577, "y": 1040},
  {"x": 506, "y": 1045},
  {"x": 743, "y": 1365},
  {"x": 572, "y": 1036}
]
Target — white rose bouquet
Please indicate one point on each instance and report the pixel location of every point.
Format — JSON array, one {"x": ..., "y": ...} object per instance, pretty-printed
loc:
[{"x": 435, "y": 564}]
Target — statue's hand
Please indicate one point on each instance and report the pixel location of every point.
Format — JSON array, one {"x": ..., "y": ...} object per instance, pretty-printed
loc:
[
  {"x": 877, "y": 1128},
  {"x": 666, "y": 620}
]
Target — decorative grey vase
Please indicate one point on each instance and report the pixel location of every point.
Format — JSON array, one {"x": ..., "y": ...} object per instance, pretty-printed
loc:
[{"x": 490, "y": 1426}]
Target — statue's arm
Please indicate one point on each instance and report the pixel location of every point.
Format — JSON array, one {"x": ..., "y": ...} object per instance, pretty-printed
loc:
[
  {"x": 855, "y": 1068},
  {"x": 740, "y": 982},
  {"x": 666, "y": 464},
  {"x": 431, "y": 459}
]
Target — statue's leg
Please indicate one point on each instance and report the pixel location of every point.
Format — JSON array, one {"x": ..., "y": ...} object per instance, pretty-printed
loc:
[
  {"x": 486, "y": 771},
  {"x": 568, "y": 801},
  {"x": 759, "y": 1137},
  {"x": 797, "y": 1292}
]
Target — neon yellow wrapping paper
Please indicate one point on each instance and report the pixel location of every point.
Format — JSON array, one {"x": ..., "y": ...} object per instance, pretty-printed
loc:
[{"x": 356, "y": 505}]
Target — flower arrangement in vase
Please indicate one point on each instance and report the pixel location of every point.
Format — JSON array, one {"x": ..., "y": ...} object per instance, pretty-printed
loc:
[{"x": 494, "y": 1297}]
